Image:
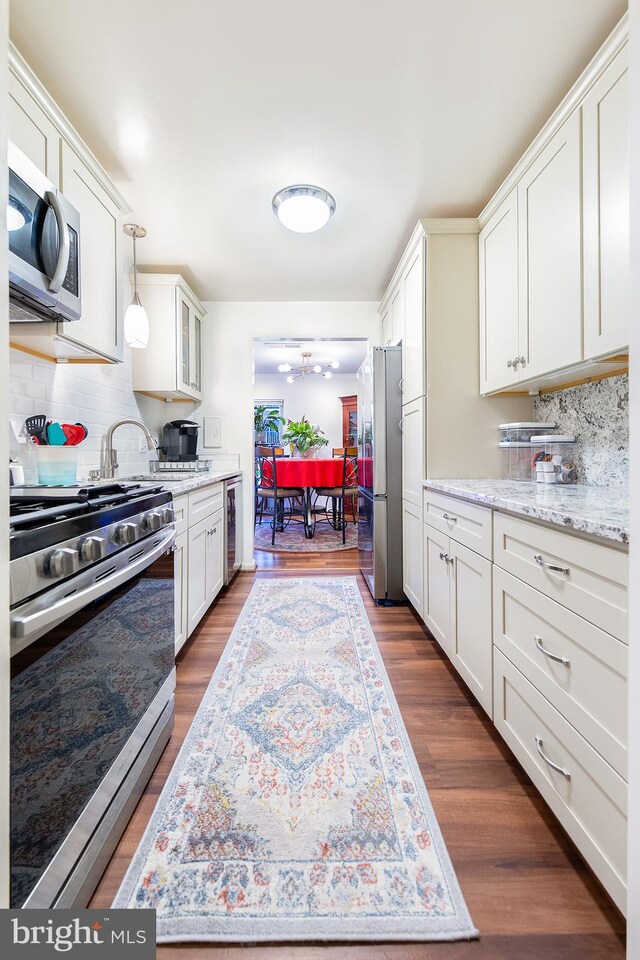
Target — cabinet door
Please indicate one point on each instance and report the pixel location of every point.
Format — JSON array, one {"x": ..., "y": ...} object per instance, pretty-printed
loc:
[
  {"x": 180, "y": 572},
  {"x": 435, "y": 598},
  {"x": 32, "y": 131},
  {"x": 184, "y": 351},
  {"x": 100, "y": 327},
  {"x": 412, "y": 566},
  {"x": 499, "y": 297},
  {"x": 196, "y": 354},
  {"x": 413, "y": 451},
  {"x": 396, "y": 309},
  {"x": 386, "y": 328},
  {"x": 470, "y": 619},
  {"x": 605, "y": 171},
  {"x": 550, "y": 255},
  {"x": 200, "y": 579},
  {"x": 413, "y": 352},
  {"x": 215, "y": 558}
]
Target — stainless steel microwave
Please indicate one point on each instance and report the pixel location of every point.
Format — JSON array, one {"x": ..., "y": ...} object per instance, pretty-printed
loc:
[{"x": 44, "y": 246}]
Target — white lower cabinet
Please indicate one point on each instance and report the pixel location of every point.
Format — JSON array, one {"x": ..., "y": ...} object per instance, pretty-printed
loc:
[
  {"x": 412, "y": 575},
  {"x": 198, "y": 556},
  {"x": 457, "y": 609},
  {"x": 180, "y": 573},
  {"x": 205, "y": 567}
]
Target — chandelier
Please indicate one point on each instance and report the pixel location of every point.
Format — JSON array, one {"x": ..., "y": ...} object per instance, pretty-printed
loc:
[{"x": 306, "y": 368}]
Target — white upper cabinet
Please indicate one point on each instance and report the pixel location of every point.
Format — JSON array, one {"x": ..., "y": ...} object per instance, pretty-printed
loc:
[
  {"x": 100, "y": 326},
  {"x": 42, "y": 132},
  {"x": 171, "y": 366},
  {"x": 550, "y": 283},
  {"x": 413, "y": 283},
  {"x": 554, "y": 243},
  {"x": 605, "y": 172},
  {"x": 499, "y": 346},
  {"x": 413, "y": 450},
  {"x": 396, "y": 310},
  {"x": 32, "y": 131}
]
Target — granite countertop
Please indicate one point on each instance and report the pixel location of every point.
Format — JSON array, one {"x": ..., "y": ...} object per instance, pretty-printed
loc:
[
  {"x": 183, "y": 485},
  {"x": 599, "y": 511}
]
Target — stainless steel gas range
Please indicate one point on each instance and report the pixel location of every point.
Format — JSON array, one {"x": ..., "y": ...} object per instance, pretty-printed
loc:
[{"x": 92, "y": 679}]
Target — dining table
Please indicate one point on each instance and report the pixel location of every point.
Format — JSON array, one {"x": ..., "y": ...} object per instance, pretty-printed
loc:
[{"x": 307, "y": 473}]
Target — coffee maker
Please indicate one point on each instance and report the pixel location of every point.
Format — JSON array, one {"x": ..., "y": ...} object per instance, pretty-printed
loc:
[{"x": 180, "y": 440}]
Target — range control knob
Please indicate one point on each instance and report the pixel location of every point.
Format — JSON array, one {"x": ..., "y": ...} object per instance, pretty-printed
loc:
[
  {"x": 152, "y": 521},
  {"x": 93, "y": 548},
  {"x": 61, "y": 562},
  {"x": 126, "y": 533},
  {"x": 167, "y": 514}
]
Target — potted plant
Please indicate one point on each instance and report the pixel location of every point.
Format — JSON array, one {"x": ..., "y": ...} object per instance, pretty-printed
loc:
[
  {"x": 265, "y": 418},
  {"x": 304, "y": 437}
]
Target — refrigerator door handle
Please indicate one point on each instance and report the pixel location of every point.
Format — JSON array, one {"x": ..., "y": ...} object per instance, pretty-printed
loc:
[
  {"x": 401, "y": 385},
  {"x": 401, "y": 424}
]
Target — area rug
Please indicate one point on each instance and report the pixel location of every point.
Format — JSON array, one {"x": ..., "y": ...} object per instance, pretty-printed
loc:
[
  {"x": 293, "y": 540},
  {"x": 296, "y": 810}
]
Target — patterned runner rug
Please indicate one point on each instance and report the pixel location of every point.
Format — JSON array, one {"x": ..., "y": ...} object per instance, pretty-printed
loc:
[
  {"x": 296, "y": 810},
  {"x": 293, "y": 540}
]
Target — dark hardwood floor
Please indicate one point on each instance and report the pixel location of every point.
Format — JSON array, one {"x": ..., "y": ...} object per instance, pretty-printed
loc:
[{"x": 528, "y": 890}]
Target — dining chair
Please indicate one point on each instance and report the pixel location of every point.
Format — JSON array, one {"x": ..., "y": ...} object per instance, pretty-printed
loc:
[
  {"x": 348, "y": 491},
  {"x": 267, "y": 488}
]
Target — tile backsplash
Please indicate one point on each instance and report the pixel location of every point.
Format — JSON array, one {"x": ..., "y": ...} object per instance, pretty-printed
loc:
[
  {"x": 597, "y": 414},
  {"x": 95, "y": 395}
]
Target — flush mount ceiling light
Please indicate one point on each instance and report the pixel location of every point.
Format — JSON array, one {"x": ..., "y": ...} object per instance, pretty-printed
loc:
[
  {"x": 136, "y": 322},
  {"x": 303, "y": 207},
  {"x": 305, "y": 368}
]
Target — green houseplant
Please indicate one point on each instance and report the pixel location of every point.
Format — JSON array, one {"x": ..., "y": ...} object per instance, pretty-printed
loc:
[
  {"x": 265, "y": 418},
  {"x": 304, "y": 436}
]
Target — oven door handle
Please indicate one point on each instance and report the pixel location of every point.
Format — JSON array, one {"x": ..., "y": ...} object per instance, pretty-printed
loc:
[{"x": 28, "y": 627}]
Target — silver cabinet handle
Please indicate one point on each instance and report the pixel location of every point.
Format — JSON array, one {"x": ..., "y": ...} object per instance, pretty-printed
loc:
[
  {"x": 516, "y": 361},
  {"x": 523, "y": 361},
  {"x": 401, "y": 424},
  {"x": 509, "y": 363},
  {"x": 446, "y": 516},
  {"x": 551, "y": 656},
  {"x": 446, "y": 557},
  {"x": 401, "y": 384},
  {"x": 60, "y": 271},
  {"x": 442, "y": 555},
  {"x": 550, "y": 566},
  {"x": 554, "y": 766}
]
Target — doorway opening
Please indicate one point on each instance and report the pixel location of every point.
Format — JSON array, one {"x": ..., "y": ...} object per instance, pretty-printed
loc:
[{"x": 305, "y": 402}]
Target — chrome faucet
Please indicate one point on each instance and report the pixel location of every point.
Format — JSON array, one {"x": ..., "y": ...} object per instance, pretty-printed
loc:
[{"x": 111, "y": 455}]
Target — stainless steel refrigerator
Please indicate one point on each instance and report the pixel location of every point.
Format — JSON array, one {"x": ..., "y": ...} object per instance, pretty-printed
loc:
[{"x": 380, "y": 473}]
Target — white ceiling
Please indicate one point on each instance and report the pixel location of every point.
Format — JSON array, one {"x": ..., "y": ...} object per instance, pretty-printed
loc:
[
  {"x": 202, "y": 109},
  {"x": 348, "y": 353}
]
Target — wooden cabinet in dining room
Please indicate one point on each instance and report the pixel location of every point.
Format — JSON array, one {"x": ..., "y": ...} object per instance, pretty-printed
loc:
[
  {"x": 605, "y": 179},
  {"x": 349, "y": 420},
  {"x": 171, "y": 366}
]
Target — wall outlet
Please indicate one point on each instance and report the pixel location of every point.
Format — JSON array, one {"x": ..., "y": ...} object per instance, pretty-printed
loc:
[{"x": 142, "y": 444}]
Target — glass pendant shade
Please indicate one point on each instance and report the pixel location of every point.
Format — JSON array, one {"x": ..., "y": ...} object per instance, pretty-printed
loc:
[{"x": 136, "y": 325}]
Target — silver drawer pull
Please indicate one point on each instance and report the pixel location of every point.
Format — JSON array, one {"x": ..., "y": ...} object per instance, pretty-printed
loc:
[
  {"x": 554, "y": 766},
  {"x": 550, "y": 566},
  {"x": 451, "y": 519},
  {"x": 445, "y": 557},
  {"x": 442, "y": 555},
  {"x": 551, "y": 656}
]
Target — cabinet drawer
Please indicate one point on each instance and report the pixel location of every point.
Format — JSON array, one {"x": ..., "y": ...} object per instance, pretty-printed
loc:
[
  {"x": 591, "y": 581},
  {"x": 181, "y": 511},
  {"x": 586, "y": 794},
  {"x": 465, "y": 522},
  {"x": 204, "y": 502},
  {"x": 590, "y": 687}
]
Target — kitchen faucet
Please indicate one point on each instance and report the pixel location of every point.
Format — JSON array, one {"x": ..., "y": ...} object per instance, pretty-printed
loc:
[{"x": 111, "y": 455}]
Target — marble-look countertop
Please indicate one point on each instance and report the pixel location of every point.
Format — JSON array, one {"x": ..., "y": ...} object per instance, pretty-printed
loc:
[
  {"x": 183, "y": 485},
  {"x": 599, "y": 511}
]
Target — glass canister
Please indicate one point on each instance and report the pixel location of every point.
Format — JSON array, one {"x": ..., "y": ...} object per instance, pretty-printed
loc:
[
  {"x": 553, "y": 459},
  {"x": 516, "y": 448}
]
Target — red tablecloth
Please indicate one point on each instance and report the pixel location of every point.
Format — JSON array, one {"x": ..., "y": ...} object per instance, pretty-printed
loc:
[{"x": 311, "y": 472}]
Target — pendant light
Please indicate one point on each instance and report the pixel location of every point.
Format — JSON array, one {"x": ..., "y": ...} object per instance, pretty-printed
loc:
[{"x": 136, "y": 322}]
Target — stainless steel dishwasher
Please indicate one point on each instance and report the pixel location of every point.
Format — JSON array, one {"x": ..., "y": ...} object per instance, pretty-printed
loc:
[{"x": 233, "y": 528}]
